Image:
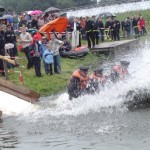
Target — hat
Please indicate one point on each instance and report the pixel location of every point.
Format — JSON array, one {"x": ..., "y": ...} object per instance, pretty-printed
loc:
[
  {"x": 98, "y": 70},
  {"x": 85, "y": 69},
  {"x": 124, "y": 63}
]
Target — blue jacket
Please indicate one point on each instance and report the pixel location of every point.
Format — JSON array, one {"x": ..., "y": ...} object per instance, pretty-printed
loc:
[{"x": 48, "y": 57}]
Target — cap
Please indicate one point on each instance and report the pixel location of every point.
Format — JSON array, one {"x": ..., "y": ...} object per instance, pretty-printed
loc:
[
  {"x": 124, "y": 63},
  {"x": 98, "y": 70},
  {"x": 85, "y": 69}
]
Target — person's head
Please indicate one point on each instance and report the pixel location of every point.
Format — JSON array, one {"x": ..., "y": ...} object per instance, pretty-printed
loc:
[
  {"x": 83, "y": 71},
  {"x": 64, "y": 39},
  {"x": 44, "y": 39},
  {"x": 35, "y": 38},
  {"x": 52, "y": 35},
  {"x": 23, "y": 29},
  {"x": 49, "y": 46},
  {"x": 124, "y": 63},
  {"x": 93, "y": 17},
  {"x": 98, "y": 72},
  {"x": 9, "y": 27}
]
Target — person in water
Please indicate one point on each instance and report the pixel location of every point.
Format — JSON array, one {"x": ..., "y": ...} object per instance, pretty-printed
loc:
[
  {"x": 97, "y": 80},
  {"x": 120, "y": 72},
  {"x": 78, "y": 83}
]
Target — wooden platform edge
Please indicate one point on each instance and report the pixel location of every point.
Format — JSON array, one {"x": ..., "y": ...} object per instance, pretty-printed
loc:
[{"x": 19, "y": 91}]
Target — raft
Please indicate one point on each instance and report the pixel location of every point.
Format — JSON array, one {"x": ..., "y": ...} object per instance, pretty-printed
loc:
[
  {"x": 78, "y": 52},
  {"x": 19, "y": 91}
]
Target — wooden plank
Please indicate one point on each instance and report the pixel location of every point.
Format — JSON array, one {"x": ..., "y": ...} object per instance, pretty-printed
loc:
[
  {"x": 8, "y": 60},
  {"x": 19, "y": 91}
]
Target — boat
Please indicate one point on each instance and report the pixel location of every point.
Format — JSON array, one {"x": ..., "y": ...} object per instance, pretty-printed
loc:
[
  {"x": 19, "y": 91},
  {"x": 78, "y": 52}
]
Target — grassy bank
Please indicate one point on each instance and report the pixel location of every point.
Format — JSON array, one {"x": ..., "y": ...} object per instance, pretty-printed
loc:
[{"x": 53, "y": 84}]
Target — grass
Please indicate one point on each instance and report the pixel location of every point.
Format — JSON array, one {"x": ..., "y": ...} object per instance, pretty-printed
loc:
[{"x": 56, "y": 83}]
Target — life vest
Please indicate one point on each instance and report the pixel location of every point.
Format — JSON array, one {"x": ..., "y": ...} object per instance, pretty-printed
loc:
[
  {"x": 122, "y": 72},
  {"x": 83, "y": 80},
  {"x": 99, "y": 79}
]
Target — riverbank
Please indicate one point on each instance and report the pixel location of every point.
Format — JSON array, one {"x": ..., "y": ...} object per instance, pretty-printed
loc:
[{"x": 48, "y": 85}]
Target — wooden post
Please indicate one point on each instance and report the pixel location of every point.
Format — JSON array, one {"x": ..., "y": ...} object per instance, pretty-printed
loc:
[{"x": 5, "y": 70}]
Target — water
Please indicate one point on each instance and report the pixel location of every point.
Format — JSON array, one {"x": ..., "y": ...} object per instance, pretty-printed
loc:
[{"x": 100, "y": 121}]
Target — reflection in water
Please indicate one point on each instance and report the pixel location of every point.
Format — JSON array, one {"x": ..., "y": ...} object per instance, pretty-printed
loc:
[{"x": 7, "y": 138}]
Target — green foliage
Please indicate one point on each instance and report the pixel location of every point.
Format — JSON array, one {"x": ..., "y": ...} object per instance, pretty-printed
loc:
[{"x": 25, "y": 5}]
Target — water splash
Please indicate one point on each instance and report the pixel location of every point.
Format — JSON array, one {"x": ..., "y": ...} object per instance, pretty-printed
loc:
[{"x": 112, "y": 98}]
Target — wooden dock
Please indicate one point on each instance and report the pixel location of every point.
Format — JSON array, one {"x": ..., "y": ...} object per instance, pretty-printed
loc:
[{"x": 114, "y": 45}]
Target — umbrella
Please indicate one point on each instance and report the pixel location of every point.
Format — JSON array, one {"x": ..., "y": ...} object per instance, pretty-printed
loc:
[
  {"x": 52, "y": 10},
  {"x": 2, "y": 9},
  {"x": 29, "y": 12},
  {"x": 105, "y": 15},
  {"x": 6, "y": 17},
  {"x": 36, "y": 12}
]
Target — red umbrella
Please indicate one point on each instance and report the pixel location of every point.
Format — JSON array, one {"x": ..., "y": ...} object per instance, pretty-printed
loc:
[{"x": 36, "y": 12}]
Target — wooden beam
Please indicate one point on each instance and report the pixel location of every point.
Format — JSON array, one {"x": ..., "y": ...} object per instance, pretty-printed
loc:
[
  {"x": 19, "y": 91},
  {"x": 8, "y": 60}
]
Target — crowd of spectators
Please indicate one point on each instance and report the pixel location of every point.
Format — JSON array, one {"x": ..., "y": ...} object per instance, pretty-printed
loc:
[{"x": 91, "y": 29}]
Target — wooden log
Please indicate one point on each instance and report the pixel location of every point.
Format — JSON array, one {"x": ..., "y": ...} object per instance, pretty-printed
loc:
[
  {"x": 19, "y": 91},
  {"x": 8, "y": 60}
]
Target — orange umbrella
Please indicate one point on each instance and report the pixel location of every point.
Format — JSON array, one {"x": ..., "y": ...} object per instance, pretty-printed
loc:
[{"x": 57, "y": 25}]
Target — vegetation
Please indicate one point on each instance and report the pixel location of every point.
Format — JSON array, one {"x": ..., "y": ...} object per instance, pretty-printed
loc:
[
  {"x": 25, "y": 5},
  {"x": 53, "y": 84}
]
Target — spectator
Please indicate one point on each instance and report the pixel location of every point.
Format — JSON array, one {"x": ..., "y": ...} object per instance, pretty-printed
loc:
[{"x": 55, "y": 43}]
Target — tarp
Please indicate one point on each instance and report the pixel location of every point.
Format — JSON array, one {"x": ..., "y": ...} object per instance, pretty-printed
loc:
[{"x": 57, "y": 25}]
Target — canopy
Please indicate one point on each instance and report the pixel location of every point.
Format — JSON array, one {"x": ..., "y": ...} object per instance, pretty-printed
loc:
[
  {"x": 52, "y": 10},
  {"x": 6, "y": 17},
  {"x": 58, "y": 25}
]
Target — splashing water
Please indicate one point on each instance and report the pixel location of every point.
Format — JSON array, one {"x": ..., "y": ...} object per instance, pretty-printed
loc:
[{"x": 114, "y": 96}]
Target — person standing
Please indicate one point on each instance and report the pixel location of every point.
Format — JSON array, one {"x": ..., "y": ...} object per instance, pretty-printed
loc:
[
  {"x": 2, "y": 52},
  {"x": 36, "y": 56},
  {"x": 48, "y": 59},
  {"x": 89, "y": 32},
  {"x": 25, "y": 40},
  {"x": 95, "y": 30},
  {"x": 10, "y": 37},
  {"x": 55, "y": 45}
]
